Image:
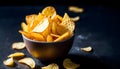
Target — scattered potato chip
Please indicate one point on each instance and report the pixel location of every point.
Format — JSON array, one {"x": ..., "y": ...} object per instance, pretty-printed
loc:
[
  {"x": 18, "y": 45},
  {"x": 75, "y": 18},
  {"x": 75, "y": 9},
  {"x": 28, "y": 61},
  {"x": 68, "y": 64},
  {"x": 9, "y": 62},
  {"x": 87, "y": 49},
  {"x": 51, "y": 66},
  {"x": 16, "y": 55}
]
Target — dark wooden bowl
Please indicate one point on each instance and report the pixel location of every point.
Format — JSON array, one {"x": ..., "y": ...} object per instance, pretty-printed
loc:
[{"x": 48, "y": 50}]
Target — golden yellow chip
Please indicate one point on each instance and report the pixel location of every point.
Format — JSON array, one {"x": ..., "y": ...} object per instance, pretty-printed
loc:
[
  {"x": 37, "y": 36},
  {"x": 16, "y": 55},
  {"x": 49, "y": 11},
  {"x": 51, "y": 66},
  {"x": 9, "y": 62},
  {"x": 63, "y": 37},
  {"x": 68, "y": 64},
  {"x": 28, "y": 35},
  {"x": 24, "y": 26},
  {"x": 54, "y": 28},
  {"x": 55, "y": 35},
  {"x": 18, "y": 45},
  {"x": 30, "y": 18},
  {"x": 33, "y": 35},
  {"x": 49, "y": 38},
  {"x": 28, "y": 61},
  {"x": 41, "y": 26},
  {"x": 68, "y": 23}
]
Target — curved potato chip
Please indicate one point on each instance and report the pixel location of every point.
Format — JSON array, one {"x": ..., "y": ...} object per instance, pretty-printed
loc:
[
  {"x": 49, "y": 11},
  {"x": 24, "y": 26},
  {"x": 28, "y": 61},
  {"x": 41, "y": 26},
  {"x": 18, "y": 45},
  {"x": 16, "y": 55},
  {"x": 75, "y": 18},
  {"x": 30, "y": 18},
  {"x": 68, "y": 64},
  {"x": 49, "y": 38},
  {"x": 87, "y": 49},
  {"x": 9, "y": 62},
  {"x": 75, "y": 9},
  {"x": 68, "y": 23},
  {"x": 63, "y": 37},
  {"x": 51, "y": 66},
  {"x": 55, "y": 35},
  {"x": 54, "y": 28}
]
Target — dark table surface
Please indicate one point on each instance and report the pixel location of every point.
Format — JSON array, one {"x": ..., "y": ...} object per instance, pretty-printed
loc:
[{"x": 98, "y": 28}]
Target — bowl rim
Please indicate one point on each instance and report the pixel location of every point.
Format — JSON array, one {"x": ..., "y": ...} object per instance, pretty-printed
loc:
[{"x": 24, "y": 37}]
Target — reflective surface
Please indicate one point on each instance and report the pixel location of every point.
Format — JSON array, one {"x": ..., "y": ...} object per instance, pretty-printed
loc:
[{"x": 98, "y": 28}]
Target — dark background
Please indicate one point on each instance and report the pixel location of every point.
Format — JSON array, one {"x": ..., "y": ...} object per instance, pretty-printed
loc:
[{"x": 109, "y": 3}]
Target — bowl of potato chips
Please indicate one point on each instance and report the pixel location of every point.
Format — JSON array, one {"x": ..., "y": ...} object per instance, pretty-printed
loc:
[{"x": 47, "y": 35}]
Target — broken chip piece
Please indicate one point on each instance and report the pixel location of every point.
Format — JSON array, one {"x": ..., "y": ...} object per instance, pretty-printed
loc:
[
  {"x": 75, "y": 9},
  {"x": 75, "y": 18},
  {"x": 28, "y": 61},
  {"x": 68, "y": 64},
  {"x": 87, "y": 49},
  {"x": 18, "y": 45},
  {"x": 16, "y": 55},
  {"x": 9, "y": 62},
  {"x": 51, "y": 66}
]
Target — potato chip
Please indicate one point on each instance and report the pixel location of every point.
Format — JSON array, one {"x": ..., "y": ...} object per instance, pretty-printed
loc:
[
  {"x": 16, "y": 55},
  {"x": 47, "y": 31},
  {"x": 9, "y": 62},
  {"x": 54, "y": 28},
  {"x": 33, "y": 35},
  {"x": 37, "y": 36},
  {"x": 75, "y": 18},
  {"x": 68, "y": 23},
  {"x": 75, "y": 9},
  {"x": 30, "y": 18},
  {"x": 24, "y": 26},
  {"x": 28, "y": 35},
  {"x": 63, "y": 37},
  {"x": 31, "y": 21},
  {"x": 49, "y": 38},
  {"x": 28, "y": 61},
  {"x": 51, "y": 66},
  {"x": 57, "y": 19},
  {"x": 41, "y": 26},
  {"x": 68, "y": 64},
  {"x": 87, "y": 49},
  {"x": 55, "y": 35},
  {"x": 18, "y": 45},
  {"x": 49, "y": 11}
]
